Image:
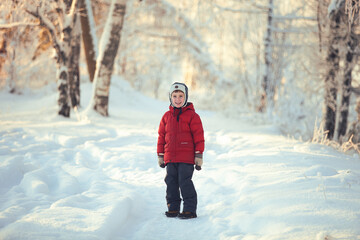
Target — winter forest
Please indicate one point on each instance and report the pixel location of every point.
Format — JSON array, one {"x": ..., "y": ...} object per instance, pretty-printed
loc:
[
  {"x": 83, "y": 86},
  {"x": 242, "y": 56}
]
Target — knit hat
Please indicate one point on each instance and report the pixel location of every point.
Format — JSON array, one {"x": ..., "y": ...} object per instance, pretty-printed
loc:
[{"x": 179, "y": 87}]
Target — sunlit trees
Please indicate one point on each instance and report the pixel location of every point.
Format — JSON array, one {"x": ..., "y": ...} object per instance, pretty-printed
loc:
[
  {"x": 268, "y": 56},
  {"x": 16, "y": 32}
]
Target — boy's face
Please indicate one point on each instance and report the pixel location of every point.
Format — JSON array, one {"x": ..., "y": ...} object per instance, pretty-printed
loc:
[{"x": 178, "y": 99}]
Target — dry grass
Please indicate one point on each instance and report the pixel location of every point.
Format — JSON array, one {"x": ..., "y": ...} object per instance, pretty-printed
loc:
[
  {"x": 320, "y": 136},
  {"x": 350, "y": 146}
]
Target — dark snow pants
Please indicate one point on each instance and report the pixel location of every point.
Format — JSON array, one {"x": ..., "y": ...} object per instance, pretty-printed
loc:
[{"x": 178, "y": 178}]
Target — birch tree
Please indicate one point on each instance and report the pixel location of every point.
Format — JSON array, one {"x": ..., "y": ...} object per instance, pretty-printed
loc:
[
  {"x": 88, "y": 36},
  {"x": 331, "y": 86},
  {"x": 350, "y": 57},
  {"x": 335, "y": 41},
  {"x": 60, "y": 17},
  {"x": 74, "y": 61},
  {"x": 109, "y": 44},
  {"x": 341, "y": 51},
  {"x": 267, "y": 98}
]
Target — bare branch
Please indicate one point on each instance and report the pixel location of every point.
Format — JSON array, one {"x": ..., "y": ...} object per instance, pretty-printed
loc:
[
  {"x": 157, "y": 34},
  {"x": 238, "y": 10},
  {"x": 352, "y": 9},
  {"x": 263, "y": 10},
  {"x": 69, "y": 19},
  {"x": 290, "y": 17},
  {"x": 61, "y": 6},
  {"x": 73, "y": 8},
  {"x": 17, "y": 24},
  {"x": 45, "y": 22},
  {"x": 261, "y": 7}
]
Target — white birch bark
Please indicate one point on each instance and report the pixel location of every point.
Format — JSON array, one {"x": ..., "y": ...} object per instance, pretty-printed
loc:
[
  {"x": 109, "y": 45},
  {"x": 62, "y": 46},
  {"x": 64, "y": 54},
  {"x": 88, "y": 36}
]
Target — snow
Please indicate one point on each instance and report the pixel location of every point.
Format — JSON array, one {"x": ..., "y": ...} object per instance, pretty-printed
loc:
[{"x": 90, "y": 177}]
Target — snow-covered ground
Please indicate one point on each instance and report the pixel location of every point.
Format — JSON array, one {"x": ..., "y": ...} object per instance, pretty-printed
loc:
[{"x": 90, "y": 177}]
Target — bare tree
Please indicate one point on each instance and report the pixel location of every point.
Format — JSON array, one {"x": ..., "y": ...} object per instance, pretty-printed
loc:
[
  {"x": 74, "y": 61},
  {"x": 88, "y": 36},
  {"x": 60, "y": 17},
  {"x": 352, "y": 41},
  {"x": 109, "y": 46},
  {"x": 267, "y": 98},
  {"x": 333, "y": 68}
]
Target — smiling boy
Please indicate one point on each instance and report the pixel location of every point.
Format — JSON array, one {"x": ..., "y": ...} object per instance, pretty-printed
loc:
[{"x": 180, "y": 146}]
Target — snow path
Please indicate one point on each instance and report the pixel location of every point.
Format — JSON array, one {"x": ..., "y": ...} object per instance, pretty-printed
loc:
[{"x": 97, "y": 178}]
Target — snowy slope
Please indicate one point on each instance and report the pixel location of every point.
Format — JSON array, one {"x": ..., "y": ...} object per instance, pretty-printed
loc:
[{"x": 90, "y": 177}]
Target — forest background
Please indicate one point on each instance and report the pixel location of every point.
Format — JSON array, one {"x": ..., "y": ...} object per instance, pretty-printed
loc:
[{"x": 292, "y": 63}]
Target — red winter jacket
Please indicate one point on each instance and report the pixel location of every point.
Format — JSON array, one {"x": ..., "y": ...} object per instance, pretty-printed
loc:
[{"x": 180, "y": 135}]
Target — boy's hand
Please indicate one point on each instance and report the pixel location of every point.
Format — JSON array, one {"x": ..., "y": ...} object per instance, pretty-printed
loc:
[
  {"x": 161, "y": 161},
  {"x": 198, "y": 161}
]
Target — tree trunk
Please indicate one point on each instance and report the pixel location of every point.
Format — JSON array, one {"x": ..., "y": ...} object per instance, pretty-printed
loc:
[
  {"x": 110, "y": 43},
  {"x": 331, "y": 84},
  {"x": 74, "y": 60},
  {"x": 350, "y": 62},
  {"x": 67, "y": 61},
  {"x": 88, "y": 38},
  {"x": 3, "y": 55},
  {"x": 11, "y": 79},
  {"x": 63, "y": 74},
  {"x": 62, "y": 46},
  {"x": 267, "y": 97}
]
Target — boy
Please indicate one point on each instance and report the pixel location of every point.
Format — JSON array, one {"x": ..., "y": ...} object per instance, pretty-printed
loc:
[{"x": 180, "y": 146}]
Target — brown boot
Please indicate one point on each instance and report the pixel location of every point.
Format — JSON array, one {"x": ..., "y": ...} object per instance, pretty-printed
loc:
[
  {"x": 172, "y": 214},
  {"x": 187, "y": 215}
]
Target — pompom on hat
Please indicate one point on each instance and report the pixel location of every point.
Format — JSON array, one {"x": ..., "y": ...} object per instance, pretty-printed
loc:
[{"x": 179, "y": 87}]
